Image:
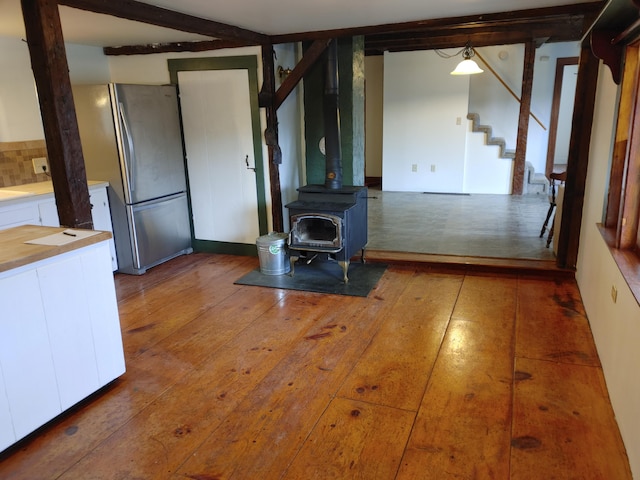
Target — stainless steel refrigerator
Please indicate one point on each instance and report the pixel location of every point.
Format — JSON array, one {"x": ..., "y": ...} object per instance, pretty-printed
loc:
[{"x": 131, "y": 137}]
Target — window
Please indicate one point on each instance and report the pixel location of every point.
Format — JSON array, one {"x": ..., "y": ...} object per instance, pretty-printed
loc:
[{"x": 622, "y": 215}]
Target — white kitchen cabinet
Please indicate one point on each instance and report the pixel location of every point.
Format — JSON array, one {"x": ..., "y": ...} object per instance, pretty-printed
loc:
[
  {"x": 69, "y": 327},
  {"x": 7, "y": 435},
  {"x": 101, "y": 216},
  {"x": 25, "y": 354},
  {"x": 60, "y": 338},
  {"x": 103, "y": 304},
  {"x": 40, "y": 209},
  {"x": 23, "y": 213},
  {"x": 48, "y": 212}
]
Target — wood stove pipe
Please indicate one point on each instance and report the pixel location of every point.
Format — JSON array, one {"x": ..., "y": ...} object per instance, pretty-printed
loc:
[{"x": 331, "y": 111}]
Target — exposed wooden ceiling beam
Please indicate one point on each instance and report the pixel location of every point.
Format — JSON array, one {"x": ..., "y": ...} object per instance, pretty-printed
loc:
[
  {"x": 162, "y": 17},
  {"x": 308, "y": 60},
  {"x": 514, "y": 19},
  {"x": 553, "y": 24},
  {"x": 561, "y": 29},
  {"x": 202, "y": 46},
  {"x": 557, "y": 26}
]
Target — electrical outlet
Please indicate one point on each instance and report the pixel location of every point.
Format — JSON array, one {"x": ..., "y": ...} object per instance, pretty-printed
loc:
[
  {"x": 40, "y": 164},
  {"x": 614, "y": 293},
  {"x": 414, "y": 167}
]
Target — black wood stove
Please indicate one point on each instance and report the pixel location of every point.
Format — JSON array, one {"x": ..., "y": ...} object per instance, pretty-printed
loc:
[
  {"x": 328, "y": 224},
  {"x": 329, "y": 221}
]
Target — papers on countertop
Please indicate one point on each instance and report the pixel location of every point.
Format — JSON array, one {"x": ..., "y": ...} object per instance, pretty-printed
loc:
[{"x": 62, "y": 238}]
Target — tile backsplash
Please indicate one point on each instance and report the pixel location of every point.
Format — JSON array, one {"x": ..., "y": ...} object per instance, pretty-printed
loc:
[{"x": 16, "y": 167}]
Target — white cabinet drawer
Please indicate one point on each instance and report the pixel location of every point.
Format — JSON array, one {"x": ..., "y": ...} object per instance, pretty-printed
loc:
[{"x": 20, "y": 214}]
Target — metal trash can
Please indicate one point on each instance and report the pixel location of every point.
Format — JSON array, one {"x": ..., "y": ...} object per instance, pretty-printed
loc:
[{"x": 273, "y": 253}]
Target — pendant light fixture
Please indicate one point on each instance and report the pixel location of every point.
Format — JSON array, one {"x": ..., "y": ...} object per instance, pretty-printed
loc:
[{"x": 467, "y": 66}]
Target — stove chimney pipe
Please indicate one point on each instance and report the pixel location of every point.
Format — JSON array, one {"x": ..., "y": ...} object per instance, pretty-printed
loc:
[{"x": 331, "y": 111}]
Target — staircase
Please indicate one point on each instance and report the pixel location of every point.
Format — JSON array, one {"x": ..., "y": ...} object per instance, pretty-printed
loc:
[{"x": 489, "y": 138}]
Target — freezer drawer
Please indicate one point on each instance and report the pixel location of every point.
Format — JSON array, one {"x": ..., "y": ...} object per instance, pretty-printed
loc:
[{"x": 159, "y": 231}]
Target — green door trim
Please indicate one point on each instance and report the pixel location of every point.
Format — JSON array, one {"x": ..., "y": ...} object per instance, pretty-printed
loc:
[{"x": 249, "y": 63}]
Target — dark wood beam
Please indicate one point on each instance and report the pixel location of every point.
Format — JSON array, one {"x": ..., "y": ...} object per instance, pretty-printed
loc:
[
  {"x": 313, "y": 53},
  {"x": 174, "y": 47},
  {"x": 555, "y": 111},
  {"x": 561, "y": 18},
  {"x": 267, "y": 94},
  {"x": 578, "y": 161},
  {"x": 51, "y": 74},
  {"x": 270, "y": 100},
  {"x": 557, "y": 30},
  {"x": 553, "y": 24},
  {"x": 162, "y": 17},
  {"x": 523, "y": 121}
]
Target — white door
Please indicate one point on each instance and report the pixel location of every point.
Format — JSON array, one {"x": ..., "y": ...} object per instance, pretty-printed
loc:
[{"x": 216, "y": 118}]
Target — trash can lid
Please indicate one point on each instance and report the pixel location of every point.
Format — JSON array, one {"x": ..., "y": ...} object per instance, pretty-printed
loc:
[{"x": 272, "y": 238}]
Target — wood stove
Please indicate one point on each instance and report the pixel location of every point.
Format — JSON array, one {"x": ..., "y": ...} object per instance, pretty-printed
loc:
[
  {"x": 329, "y": 221},
  {"x": 329, "y": 224}
]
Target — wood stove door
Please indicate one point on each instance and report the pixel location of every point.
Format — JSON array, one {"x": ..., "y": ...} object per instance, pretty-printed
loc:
[{"x": 217, "y": 122}]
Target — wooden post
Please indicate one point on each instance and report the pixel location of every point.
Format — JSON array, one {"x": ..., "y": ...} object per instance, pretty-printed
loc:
[
  {"x": 267, "y": 100},
  {"x": 578, "y": 161},
  {"x": 51, "y": 73},
  {"x": 523, "y": 121}
]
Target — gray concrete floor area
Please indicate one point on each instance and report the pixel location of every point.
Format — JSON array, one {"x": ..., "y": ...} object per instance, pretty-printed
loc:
[{"x": 478, "y": 225}]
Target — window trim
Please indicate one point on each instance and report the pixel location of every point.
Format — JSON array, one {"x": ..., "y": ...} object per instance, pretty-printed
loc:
[{"x": 620, "y": 229}]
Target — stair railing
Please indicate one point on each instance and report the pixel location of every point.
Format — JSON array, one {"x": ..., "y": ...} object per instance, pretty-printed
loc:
[{"x": 504, "y": 84}]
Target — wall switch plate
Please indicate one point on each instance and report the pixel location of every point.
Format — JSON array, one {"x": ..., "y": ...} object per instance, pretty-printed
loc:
[
  {"x": 433, "y": 168},
  {"x": 414, "y": 167},
  {"x": 40, "y": 164}
]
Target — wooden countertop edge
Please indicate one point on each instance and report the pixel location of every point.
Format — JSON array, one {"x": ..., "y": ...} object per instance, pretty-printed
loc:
[
  {"x": 15, "y": 253},
  {"x": 40, "y": 190}
]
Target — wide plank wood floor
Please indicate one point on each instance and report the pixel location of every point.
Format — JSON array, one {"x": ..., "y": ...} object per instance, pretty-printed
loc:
[{"x": 435, "y": 375}]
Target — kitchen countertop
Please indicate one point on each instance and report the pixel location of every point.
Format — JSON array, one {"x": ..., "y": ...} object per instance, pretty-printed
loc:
[
  {"x": 15, "y": 253},
  {"x": 30, "y": 190}
]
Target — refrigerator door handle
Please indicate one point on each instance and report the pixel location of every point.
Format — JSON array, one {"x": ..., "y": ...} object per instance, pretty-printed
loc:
[{"x": 129, "y": 163}]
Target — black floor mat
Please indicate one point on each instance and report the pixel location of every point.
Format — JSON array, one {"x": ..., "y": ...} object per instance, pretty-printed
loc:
[{"x": 321, "y": 277}]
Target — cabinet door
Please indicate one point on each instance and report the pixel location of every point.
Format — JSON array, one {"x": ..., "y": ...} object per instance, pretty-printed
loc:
[
  {"x": 101, "y": 215},
  {"x": 7, "y": 435},
  {"x": 48, "y": 213},
  {"x": 16, "y": 215},
  {"x": 103, "y": 307},
  {"x": 25, "y": 354},
  {"x": 66, "y": 305}
]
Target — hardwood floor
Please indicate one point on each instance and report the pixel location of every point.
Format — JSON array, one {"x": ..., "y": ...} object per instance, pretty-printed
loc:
[{"x": 437, "y": 374}]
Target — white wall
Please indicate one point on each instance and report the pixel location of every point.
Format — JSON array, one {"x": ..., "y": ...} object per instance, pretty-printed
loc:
[
  {"x": 421, "y": 103},
  {"x": 19, "y": 110},
  {"x": 499, "y": 109},
  {"x": 542, "y": 100},
  {"x": 565, "y": 114},
  {"x": 290, "y": 115},
  {"x": 423, "y": 123},
  {"x": 374, "y": 73},
  {"x": 484, "y": 170},
  {"x": 87, "y": 65},
  {"x": 20, "y": 118},
  {"x": 615, "y": 325},
  {"x": 490, "y": 99},
  {"x": 152, "y": 69}
]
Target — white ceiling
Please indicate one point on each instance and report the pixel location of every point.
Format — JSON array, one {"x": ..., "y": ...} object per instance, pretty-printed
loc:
[{"x": 270, "y": 17}]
